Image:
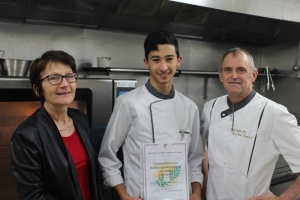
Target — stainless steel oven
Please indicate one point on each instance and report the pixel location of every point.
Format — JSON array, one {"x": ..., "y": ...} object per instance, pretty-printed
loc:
[{"x": 17, "y": 102}]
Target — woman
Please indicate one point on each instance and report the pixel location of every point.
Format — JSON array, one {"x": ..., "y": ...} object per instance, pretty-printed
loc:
[{"x": 51, "y": 155}]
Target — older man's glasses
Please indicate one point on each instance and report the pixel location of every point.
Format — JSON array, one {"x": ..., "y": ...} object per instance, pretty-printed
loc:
[{"x": 57, "y": 78}]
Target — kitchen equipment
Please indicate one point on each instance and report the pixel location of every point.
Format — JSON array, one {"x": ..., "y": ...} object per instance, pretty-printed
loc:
[
  {"x": 272, "y": 83},
  {"x": 122, "y": 86},
  {"x": 262, "y": 84},
  {"x": 295, "y": 66},
  {"x": 103, "y": 61},
  {"x": 269, "y": 78},
  {"x": 15, "y": 67}
]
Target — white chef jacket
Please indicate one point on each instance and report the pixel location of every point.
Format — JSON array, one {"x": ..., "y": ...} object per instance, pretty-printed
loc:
[
  {"x": 243, "y": 147},
  {"x": 130, "y": 127}
]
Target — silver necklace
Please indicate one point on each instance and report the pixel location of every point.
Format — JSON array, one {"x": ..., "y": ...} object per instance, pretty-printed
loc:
[{"x": 67, "y": 126}]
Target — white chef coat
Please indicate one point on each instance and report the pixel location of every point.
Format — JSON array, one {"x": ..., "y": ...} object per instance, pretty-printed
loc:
[
  {"x": 130, "y": 127},
  {"x": 242, "y": 153}
]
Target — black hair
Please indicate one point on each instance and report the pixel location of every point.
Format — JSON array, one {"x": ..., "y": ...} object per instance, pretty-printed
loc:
[{"x": 159, "y": 37}]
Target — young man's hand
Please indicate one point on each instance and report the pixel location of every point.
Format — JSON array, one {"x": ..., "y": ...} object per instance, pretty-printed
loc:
[
  {"x": 195, "y": 197},
  {"x": 196, "y": 189},
  {"x": 121, "y": 191}
]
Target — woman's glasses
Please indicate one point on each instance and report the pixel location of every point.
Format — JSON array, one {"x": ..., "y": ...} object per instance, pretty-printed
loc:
[{"x": 57, "y": 78}]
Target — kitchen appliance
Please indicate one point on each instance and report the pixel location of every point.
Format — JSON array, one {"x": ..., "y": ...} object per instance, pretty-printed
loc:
[
  {"x": 17, "y": 102},
  {"x": 121, "y": 86},
  {"x": 218, "y": 21},
  {"x": 15, "y": 67}
]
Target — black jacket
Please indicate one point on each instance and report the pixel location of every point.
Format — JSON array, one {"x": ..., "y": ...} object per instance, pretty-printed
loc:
[{"x": 41, "y": 164}]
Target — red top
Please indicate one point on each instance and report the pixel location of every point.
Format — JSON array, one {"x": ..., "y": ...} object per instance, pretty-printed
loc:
[{"x": 81, "y": 160}]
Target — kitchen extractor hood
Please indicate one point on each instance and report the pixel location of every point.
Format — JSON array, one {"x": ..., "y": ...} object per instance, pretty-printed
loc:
[
  {"x": 276, "y": 9},
  {"x": 144, "y": 16}
]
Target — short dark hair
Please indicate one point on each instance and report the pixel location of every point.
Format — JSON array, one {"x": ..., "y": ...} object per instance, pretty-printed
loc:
[
  {"x": 237, "y": 50},
  {"x": 159, "y": 37},
  {"x": 39, "y": 65}
]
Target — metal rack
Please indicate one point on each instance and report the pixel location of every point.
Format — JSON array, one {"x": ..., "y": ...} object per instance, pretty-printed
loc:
[
  {"x": 108, "y": 70},
  {"x": 205, "y": 74}
]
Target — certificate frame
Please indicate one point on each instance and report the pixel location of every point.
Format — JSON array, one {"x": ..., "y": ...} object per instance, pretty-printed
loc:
[{"x": 165, "y": 171}]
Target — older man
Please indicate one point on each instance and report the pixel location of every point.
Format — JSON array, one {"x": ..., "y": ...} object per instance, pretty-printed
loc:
[{"x": 246, "y": 133}]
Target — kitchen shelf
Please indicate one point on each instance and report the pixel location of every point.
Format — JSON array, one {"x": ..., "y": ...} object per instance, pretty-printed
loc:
[
  {"x": 206, "y": 74},
  {"x": 108, "y": 70}
]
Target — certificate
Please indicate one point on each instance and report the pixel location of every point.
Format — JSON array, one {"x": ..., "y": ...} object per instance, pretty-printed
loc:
[{"x": 165, "y": 171}]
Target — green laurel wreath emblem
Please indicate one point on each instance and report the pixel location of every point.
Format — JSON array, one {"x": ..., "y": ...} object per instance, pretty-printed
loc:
[{"x": 174, "y": 173}]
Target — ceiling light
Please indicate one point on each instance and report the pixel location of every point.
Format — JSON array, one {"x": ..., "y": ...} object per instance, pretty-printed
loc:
[{"x": 189, "y": 37}]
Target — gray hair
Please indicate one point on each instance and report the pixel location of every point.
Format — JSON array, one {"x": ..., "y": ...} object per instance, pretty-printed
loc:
[{"x": 237, "y": 50}]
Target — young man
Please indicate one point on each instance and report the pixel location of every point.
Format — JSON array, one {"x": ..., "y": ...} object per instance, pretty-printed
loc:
[
  {"x": 152, "y": 113},
  {"x": 246, "y": 133}
]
